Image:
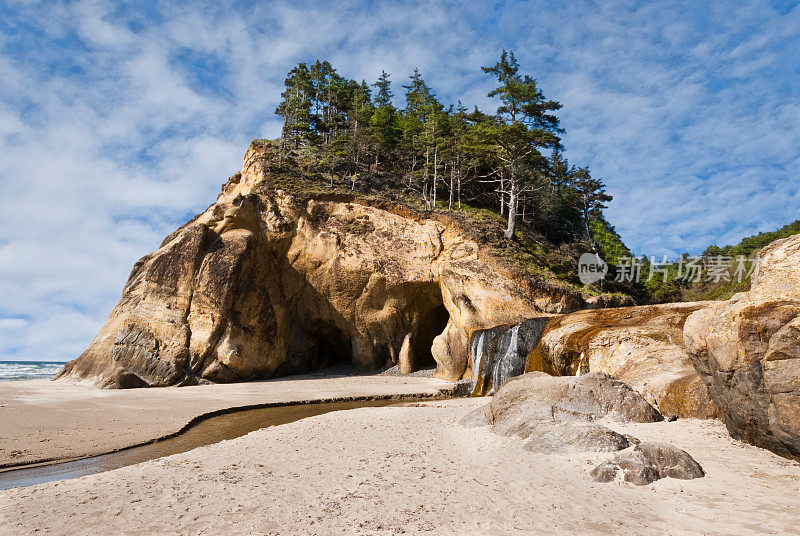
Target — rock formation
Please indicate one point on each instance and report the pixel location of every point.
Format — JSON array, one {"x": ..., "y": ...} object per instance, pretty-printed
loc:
[
  {"x": 747, "y": 350},
  {"x": 738, "y": 359},
  {"x": 263, "y": 284},
  {"x": 641, "y": 346},
  {"x": 648, "y": 462},
  {"x": 498, "y": 354},
  {"x": 548, "y": 437},
  {"x": 556, "y": 416},
  {"x": 524, "y": 401}
]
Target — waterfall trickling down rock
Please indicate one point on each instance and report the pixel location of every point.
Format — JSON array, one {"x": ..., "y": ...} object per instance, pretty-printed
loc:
[{"x": 499, "y": 353}]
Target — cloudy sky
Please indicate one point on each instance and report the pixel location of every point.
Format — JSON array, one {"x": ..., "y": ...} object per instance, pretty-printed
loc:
[{"x": 118, "y": 121}]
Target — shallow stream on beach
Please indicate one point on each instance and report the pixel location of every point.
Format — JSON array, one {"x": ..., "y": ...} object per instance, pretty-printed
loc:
[{"x": 208, "y": 431}]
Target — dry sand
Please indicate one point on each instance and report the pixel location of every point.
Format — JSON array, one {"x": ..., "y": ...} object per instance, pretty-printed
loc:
[
  {"x": 44, "y": 420},
  {"x": 414, "y": 470}
]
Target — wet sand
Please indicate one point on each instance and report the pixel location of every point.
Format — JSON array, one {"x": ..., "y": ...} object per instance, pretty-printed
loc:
[
  {"x": 207, "y": 431},
  {"x": 414, "y": 470},
  {"x": 42, "y": 420}
]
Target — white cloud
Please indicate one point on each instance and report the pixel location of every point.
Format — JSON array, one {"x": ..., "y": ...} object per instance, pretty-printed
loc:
[{"x": 12, "y": 324}]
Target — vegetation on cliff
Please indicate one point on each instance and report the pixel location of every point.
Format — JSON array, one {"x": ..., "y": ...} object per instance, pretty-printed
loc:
[
  {"x": 510, "y": 160},
  {"x": 502, "y": 175},
  {"x": 708, "y": 287}
]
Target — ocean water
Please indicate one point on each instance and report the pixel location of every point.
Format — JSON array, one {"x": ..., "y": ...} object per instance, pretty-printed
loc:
[{"x": 28, "y": 370}]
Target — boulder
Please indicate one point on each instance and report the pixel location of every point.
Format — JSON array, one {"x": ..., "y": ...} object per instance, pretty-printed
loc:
[
  {"x": 641, "y": 346},
  {"x": 648, "y": 462},
  {"x": 636, "y": 469},
  {"x": 747, "y": 351},
  {"x": 523, "y": 402},
  {"x": 555, "y": 414},
  {"x": 264, "y": 284},
  {"x": 671, "y": 461},
  {"x": 550, "y": 437}
]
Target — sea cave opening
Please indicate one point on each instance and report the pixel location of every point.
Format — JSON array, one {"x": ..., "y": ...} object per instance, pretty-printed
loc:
[
  {"x": 320, "y": 342},
  {"x": 431, "y": 323},
  {"x": 331, "y": 346}
]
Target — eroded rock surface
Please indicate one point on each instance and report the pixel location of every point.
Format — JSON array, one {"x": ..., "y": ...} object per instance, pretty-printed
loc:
[
  {"x": 499, "y": 354},
  {"x": 641, "y": 346},
  {"x": 262, "y": 285},
  {"x": 562, "y": 437},
  {"x": 536, "y": 396},
  {"x": 647, "y": 462},
  {"x": 557, "y": 414},
  {"x": 539, "y": 396},
  {"x": 747, "y": 350}
]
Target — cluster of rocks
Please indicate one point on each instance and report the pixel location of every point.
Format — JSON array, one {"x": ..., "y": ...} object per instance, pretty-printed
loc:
[
  {"x": 642, "y": 346},
  {"x": 559, "y": 414},
  {"x": 648, "y": 462},
  {"x": 737, "y": 360}
]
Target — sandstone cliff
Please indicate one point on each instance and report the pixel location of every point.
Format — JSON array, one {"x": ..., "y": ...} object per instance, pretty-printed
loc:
[
  {"x": 747, "y": 350},
  {"x": 263, "y": 284}
]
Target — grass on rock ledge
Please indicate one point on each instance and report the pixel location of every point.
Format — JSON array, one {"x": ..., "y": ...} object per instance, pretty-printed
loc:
[{"x": 529, "y": 255}]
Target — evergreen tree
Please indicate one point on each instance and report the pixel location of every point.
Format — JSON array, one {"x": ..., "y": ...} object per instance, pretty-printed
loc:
[
  {"x": 384, "y": 127},
  {"x": 457, "y": 127},
  {"x": 525, "y": 126},
  {"x": 592, "y": 199},
  {"x": 565, "y": 221},
  {"x": 295, "y": 107},
  {"x": 383, "y": 98},
  {"x": 358, "y": 120},
  {"x": 422, "y": 125},
  {"x": 419, "y": 97}
]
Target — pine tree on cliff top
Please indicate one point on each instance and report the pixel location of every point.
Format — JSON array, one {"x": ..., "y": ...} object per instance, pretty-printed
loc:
[
  {"x": 592, "y": 199},
  {"x": 525, "y": 126},
  {"x": 384, "y": 126},
  {"x": 347, "y": 131}
]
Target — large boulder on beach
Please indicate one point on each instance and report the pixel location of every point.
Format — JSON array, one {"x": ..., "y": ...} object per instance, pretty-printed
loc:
[
  {"x": 641, "y": 346},
  {"x": 264, "y": 283},
  {"x": 526, "y": 400},
  {"x": 747, "y": 350}
]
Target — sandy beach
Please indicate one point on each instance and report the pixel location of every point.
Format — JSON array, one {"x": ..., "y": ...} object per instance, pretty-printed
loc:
[
  {"x": 414, "y": 470},
  {"x": 42, "y": 420}
]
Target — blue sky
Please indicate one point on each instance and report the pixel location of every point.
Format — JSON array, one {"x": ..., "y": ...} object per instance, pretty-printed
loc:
[{"x": 118, "y": 121}]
